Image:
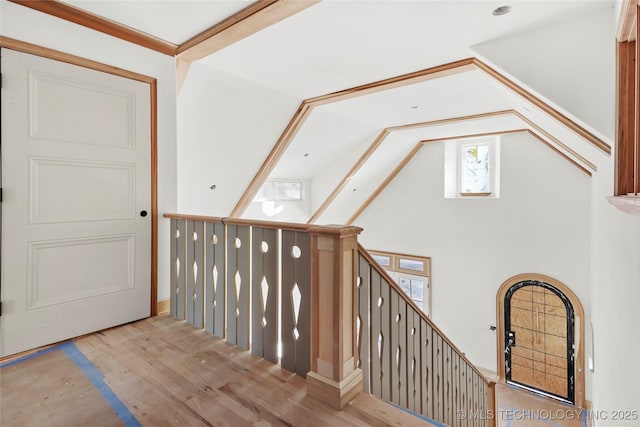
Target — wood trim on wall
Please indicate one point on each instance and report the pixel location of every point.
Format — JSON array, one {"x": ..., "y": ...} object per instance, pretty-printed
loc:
[
  {"x": 81, "y": 17},
  {"x": 579, "y": 328},
  {"x": 440, "y": 122},
  {"x": 464, "y": 65},
  {"x": 420, "y": 76},
  {"x": 44, "y": 52},
  {"x": 406, "y": 160}
]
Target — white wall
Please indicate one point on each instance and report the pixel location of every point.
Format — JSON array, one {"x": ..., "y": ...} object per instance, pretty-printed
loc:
[
  {"x": 27, "y": 25},
  {"x": 226, "y": 128},
  {"x": 568, "y": 64},
  {"x": 616, "y": 303},
  {"x": 540, "y": 224}
]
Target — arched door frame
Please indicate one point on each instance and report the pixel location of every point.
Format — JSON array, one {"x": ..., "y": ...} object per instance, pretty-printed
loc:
[{"x": 579, "y": 328}]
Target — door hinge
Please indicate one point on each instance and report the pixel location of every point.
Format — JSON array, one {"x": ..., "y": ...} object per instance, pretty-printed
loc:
[
  {"x": 0, "y": 308},
  {"x": 0, "y": 194}
]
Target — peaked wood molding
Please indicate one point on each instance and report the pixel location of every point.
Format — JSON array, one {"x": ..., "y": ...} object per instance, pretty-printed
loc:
[
  {"x": 307, "y": 106},
  {"x": 78, "y": 16},
  {"x": 410, "y": 156},
  {"x": 575, "y": 127},
  {"x": 463, "y": 65},
  {"x": 378, "y": 141},
  {"x": 384, "y": 183},
  {"x": 248, "y": 21}
]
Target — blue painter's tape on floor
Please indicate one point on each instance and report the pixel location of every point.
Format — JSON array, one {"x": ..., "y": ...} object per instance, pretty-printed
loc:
[
  {"x": 422, "y": 417},
  {"x": 32, "y": 356},
  {"x": 97, "y": 379}
]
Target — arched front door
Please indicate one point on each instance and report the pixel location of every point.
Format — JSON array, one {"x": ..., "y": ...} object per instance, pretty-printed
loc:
[{"x": 539, "y": 339}]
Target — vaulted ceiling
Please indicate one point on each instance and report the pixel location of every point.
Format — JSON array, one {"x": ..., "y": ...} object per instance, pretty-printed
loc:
[{"x": 376, "y": 79}]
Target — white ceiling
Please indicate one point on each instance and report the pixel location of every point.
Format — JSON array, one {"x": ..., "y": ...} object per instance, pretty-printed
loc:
[
  {"x": 339, "y": 44},
  {"x": 174, "y": 21}
]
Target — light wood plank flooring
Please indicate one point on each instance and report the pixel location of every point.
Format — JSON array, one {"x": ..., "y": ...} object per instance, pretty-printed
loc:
[
  {"x": 521, "y": 408},
  {"x": 169, "y": 373}
]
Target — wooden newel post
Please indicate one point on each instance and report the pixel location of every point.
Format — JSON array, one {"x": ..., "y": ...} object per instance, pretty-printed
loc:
[{"x": 334, "y": 377}]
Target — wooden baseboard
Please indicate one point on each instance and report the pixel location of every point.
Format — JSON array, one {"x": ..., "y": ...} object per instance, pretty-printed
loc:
[{"x": 163, "y": 306}]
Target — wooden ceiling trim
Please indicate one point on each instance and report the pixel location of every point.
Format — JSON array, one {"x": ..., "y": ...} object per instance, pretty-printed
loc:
[
  {"x": 473, "y": 135},
  {"x": 248, "y": 21},
  {"x": 272, "y": 159},
  {"x": 451, "y": 120},
  {"x": 20, "y": 46},
  {"x": 439, "y": 71},
  {"x": 576, "y": 128},
  {"x": 360, "y": 162},
  {"x": 554, "y": 148},
  {"x": 223, "y": 25},
  {"x": 354, "y": 169},
  {"x": 384, "y": 183},
  {"x": 103, "y": 25},
  {"x": 556, "y": 141},
  {"x": 444, "y": 70}
]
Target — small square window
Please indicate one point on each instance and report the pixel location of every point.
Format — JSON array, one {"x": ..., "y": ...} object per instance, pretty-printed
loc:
[{"x": 279, "y": 191}]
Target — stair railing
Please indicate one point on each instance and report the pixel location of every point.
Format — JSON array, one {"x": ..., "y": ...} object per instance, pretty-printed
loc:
[{"x": 407, "y": 360}]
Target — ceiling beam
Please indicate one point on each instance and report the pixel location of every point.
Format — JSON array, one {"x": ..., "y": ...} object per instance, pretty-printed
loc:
[
  {"x": 81, "y": 17},
  {"x": 248, "y": 21}
]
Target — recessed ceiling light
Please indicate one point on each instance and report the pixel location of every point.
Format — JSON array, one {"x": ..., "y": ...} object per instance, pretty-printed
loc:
[{"x": 502, "y": 10}]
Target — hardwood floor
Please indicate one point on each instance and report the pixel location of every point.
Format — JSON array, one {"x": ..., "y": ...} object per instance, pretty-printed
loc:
[
  {"x": 521, "y": 408},
  {"x": 169, "y": 373}
]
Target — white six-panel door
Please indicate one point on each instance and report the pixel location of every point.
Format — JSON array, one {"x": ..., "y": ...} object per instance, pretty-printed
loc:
[{"x": 76, "y": 250}]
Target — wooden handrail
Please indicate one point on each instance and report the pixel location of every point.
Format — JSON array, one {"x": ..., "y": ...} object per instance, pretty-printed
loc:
[
  {"x": 243, "y": 221},
  {"x": 418, "y": 310}
]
